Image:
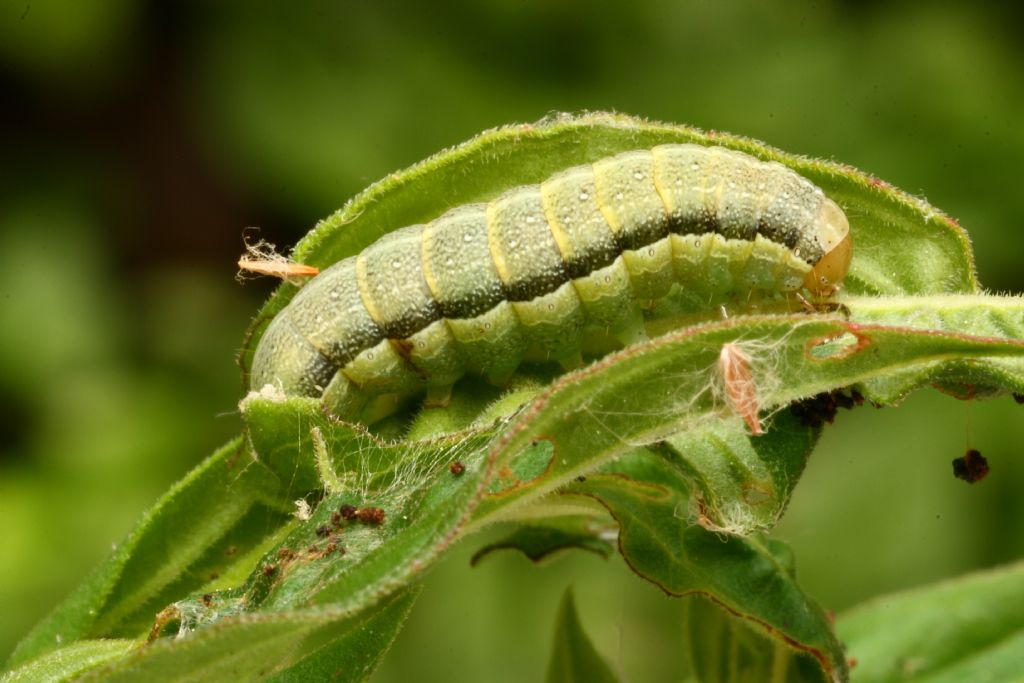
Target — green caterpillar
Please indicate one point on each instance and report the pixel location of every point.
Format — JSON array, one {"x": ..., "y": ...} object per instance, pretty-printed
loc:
[{"x": 535, "y": 268}]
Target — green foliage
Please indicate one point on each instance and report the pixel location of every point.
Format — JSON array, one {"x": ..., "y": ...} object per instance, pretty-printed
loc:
[
  {"x": 966, "y": 629},
  {"x": 573, "y": 657},
  {"x": 539, "y": 540},
  {"x": 722, "y": 649},
  {"x": 67, "y": 663},
  {"x": 640, "y": 440}
]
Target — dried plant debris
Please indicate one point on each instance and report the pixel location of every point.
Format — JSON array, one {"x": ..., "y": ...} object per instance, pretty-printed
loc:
[
  {"x": 262, "y": 258},
  {"x": 822, "y": 408},
  {"x": 971, "y": 466}
]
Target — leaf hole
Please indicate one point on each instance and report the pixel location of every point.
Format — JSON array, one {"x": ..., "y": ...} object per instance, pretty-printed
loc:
[{"x": 836, "y": 347}]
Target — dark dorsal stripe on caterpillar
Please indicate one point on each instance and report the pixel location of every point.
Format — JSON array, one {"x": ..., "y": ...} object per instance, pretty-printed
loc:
[{"x": 477, "y": 287}]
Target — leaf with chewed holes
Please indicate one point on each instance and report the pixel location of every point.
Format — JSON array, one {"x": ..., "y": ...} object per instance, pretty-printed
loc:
[
  {"x": 997, "y": 317},
  {"x": 650, "y": 391},
  {"x": 661, "y": 436},
  {"x": 572, "y": 427}
]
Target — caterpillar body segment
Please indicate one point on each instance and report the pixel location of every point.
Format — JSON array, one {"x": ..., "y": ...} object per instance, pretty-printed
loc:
[{"x": 482, "y": 285}]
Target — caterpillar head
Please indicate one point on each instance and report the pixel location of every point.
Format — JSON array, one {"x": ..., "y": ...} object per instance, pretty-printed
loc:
[{"x": 834, "y": 233}]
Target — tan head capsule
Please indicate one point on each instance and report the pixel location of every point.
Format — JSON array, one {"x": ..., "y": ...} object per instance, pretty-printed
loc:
[{"x": 834, "y": 234}]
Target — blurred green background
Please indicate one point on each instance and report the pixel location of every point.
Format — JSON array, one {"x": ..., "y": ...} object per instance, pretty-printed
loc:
[{"x": 140, "y": 139}]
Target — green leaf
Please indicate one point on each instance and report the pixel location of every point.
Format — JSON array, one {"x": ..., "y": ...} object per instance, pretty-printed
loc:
[
  {"x": 743, "y": 484},
  {"x": 539, "y": 540},
  {"x": 349, "y": 651},
  {"x": 721, "y": 648},
  {"x": 575, "y": 425},
  {"x": 983, "y": 316},
  {"x": 283, "y": 582},
  {"x": 305, "y": 645},
  {"x": 582, "y": 421},
  {"x": 966, "y": 629},
  {"x": 197, "y": 530},
  {"x": 752, "y": 577},
  {"x": 573, "y": 657},
  {"x": 70, "y": 661},
  {"x": 329, "y": 559},
  {"x": 651, "y": 391}
]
